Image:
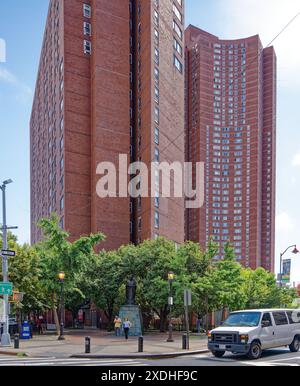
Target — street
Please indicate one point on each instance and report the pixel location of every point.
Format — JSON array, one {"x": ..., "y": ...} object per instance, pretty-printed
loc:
[{"x": 278, "y": 357}]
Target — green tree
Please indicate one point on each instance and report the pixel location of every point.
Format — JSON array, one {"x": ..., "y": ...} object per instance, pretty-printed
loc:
[
  {"x": 228, "y": 280},
  {"x": 57, "y": 254},
  {"x": 104, "y": 283}
]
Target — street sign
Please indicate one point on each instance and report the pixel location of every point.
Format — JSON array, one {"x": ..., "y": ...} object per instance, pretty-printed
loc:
[
  {"x": 187, "y": 298},
  {"x": 8, "y": 253},
  {"x": 6, "y": 288}
]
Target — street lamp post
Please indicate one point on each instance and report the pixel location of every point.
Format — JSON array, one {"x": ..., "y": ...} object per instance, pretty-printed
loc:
[
  {"x": 61, "y": 277},
  {"x": 171, "y": 277},
  {"x": 5, "y": 337},
  {"x": 295, "y": 252}
]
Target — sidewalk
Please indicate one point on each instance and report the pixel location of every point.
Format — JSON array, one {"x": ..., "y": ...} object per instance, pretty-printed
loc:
[{"x": 104, "y": 345}]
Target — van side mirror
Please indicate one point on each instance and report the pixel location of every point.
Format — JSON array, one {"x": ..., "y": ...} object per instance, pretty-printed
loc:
[{"x": 266, "y": 323}]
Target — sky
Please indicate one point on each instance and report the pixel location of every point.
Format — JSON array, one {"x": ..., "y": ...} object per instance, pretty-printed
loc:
[{"x": 225, "y": 18}]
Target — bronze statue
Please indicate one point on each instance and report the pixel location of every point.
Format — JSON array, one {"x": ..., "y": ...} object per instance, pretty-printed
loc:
[{"x": 130, "y": 291}]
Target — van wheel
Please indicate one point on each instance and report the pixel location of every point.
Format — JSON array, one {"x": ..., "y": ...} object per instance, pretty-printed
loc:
[
  {"x": 218, "y": 354},
  {"x": 255, "y": 351},
  {"x": 295, "y": 346}
]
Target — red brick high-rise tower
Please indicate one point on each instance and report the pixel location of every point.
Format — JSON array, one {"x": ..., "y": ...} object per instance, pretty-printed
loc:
[
  {"x": 110, "y": 82},
  {"x": 231, "y": 127}
]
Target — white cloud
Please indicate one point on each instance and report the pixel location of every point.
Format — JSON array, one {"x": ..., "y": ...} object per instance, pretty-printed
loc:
[
  {"x": 296, "y": 160},
  {"x": 24, "y": 92},
  {"x": 268, "y": 18},
  {"x": 7, "y": 76},
  {"x": 284, "y": 223}
]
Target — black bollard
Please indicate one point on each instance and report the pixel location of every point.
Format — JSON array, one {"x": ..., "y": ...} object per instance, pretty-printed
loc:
[
  {"x": 141, "y": 344},
  {"x": 184, "y": 342},
  {"x": 87, "y": 345},
  {"x": 17, "y": 341}
]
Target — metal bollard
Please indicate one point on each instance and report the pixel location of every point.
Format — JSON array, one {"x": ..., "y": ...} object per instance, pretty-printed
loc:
[
  {"x": 184, "y": 342},
  {"x": 87, "y": 345},
  {"x": 141, "y": 344},
  {"x": 17, "y": 341}
]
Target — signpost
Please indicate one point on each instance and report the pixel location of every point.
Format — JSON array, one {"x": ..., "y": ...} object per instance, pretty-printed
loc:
[
  {"x": 187, "y": 304},
  {"x": 2, "y": 319},
  {"x": 6, "y": 288}
]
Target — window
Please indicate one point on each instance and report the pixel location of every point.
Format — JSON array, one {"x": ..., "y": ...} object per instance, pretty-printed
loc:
[
  {"x": 156, "y": 114},
  {"x": 280, "y": 318},
  {"x": 156, "y": 75},
  {"x": 156, "y": 36},
  {"x": 87, "y": 28},
  {"x": 62, "y": 203},
  {"x": 156, "y": 220},
  {"x": 177, "y": 29},
  {"x": 178, "y": 64},
  {"x": 87, "y": 47},
  {"x": 156, "y": 18},
  {"x": 156, "y": 136},
  {"x": 156, "y": 155},
  {"x": 87, "y": 11},
  {"x": 177, "y": 47},
  {"x": 177, "y": 13},
  {"x": 156, "y": 93},
  {"x": 267, "y": 318},
  {"x": 156, "y": 56},
  {"x": 156, "y": 200}
]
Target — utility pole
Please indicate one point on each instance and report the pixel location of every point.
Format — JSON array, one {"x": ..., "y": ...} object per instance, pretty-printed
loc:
[{"x": 5, "y": 337}]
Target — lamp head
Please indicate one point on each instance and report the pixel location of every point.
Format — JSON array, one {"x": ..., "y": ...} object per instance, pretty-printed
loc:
[
  {"x": 171, "y": 276},
  {"x": 295, "y": 251},
  {"x": 61, "y": 276},
  {"x": 7, "y": 182}
]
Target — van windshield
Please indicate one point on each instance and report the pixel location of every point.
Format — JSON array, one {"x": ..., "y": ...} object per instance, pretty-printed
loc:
[{"x": 242, "y": 319}]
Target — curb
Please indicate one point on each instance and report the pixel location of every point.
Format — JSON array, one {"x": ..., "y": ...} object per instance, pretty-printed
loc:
[
  {"x": 14, "y": 354},
  {"x": 139, "y": 356}
]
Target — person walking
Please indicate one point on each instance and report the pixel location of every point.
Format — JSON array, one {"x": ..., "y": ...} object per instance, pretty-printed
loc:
[
  {"x": 118, "y": 325},
  {"x": 126, "y": 328}
]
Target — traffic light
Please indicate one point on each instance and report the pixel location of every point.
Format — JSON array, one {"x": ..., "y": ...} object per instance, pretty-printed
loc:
[{"x": 17, "y": 297}]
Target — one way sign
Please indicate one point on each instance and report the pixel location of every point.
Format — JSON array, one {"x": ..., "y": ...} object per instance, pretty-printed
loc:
[{"x": 8, "y": 253}]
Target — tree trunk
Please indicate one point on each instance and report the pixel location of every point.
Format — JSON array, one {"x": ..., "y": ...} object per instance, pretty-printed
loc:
[
  {"x": 163, "y": 319},
  {"x": 56, "y": 320}
]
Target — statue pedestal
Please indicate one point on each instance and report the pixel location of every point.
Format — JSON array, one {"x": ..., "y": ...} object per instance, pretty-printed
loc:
[{"x": 132, "y": 312}]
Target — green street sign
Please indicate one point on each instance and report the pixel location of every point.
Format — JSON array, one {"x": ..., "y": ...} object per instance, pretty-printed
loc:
[{"x": 6, "y": 288}]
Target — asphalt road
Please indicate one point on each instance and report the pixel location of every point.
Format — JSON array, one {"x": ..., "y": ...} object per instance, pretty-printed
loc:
[{"x": 278, "y": 357}]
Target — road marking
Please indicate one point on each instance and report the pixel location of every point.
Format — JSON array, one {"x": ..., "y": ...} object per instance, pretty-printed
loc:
[
  {"x": 269, "y": 364},
  {"x": 67, "y": 362},
  {"x": 287, "y": 359}
]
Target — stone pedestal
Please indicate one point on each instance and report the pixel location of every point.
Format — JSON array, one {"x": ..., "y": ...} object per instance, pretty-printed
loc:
[{"x": 133, "y": 314}]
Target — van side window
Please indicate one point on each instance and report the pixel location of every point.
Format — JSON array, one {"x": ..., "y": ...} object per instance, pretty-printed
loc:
[
  {"x": 280, "y": 318},
  {"x": 267, "y": 318},
  {"x": 294, "y": 317}
]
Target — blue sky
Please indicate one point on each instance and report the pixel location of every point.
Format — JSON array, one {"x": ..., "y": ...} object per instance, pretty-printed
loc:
[{"x": 225, "y": 18}]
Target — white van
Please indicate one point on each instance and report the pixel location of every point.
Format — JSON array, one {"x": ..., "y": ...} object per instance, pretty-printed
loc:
[{"x": 251, "y": 332}]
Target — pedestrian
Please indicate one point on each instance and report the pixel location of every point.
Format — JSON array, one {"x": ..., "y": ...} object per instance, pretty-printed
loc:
[
  {"x": 100, "y": 323},
  {"x": 126, "y": 327},
  {"x": 39, "y": 326},
  {"x": 118, "y": 325}
]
